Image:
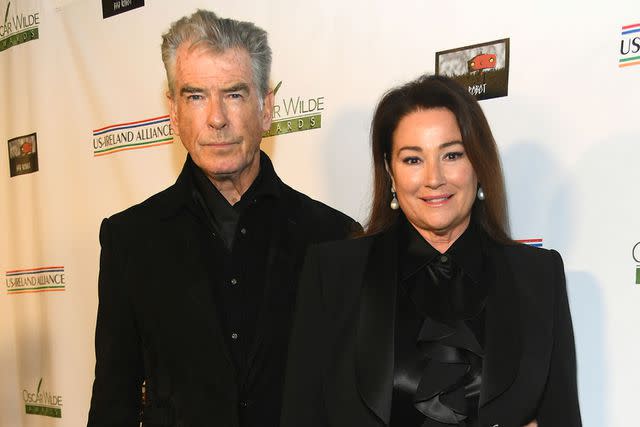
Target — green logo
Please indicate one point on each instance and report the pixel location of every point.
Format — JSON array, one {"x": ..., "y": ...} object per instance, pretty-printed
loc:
[
  {"x": 294, "y": 114},
  {"x": 19, "y": 28},
  {"x": 42, "y": 403},
  {"x": 6, "y": 14}
]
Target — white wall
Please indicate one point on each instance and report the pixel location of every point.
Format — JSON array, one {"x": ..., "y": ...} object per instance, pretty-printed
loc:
[{"x": 567, "y": 133}]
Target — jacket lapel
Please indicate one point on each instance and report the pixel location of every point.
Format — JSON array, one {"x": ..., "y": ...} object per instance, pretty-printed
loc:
[
  {"x": 502, "y": 346},
  {"x": 284, "y": 245},
  {"x": 375, "y": 337},
  {"x": 178, "y": 208}
]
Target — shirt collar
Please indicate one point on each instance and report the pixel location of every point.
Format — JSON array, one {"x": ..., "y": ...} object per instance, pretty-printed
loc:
[
  {"x": 415, "y": 252},
  {"x": 266, "y": 184}
]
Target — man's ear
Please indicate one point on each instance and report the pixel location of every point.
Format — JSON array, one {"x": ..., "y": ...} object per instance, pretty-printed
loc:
[
  {"x": 173, "y": 113},
  {"x": 267, "y": 111}
]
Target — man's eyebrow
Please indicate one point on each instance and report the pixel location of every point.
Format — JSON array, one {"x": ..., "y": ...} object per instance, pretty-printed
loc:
[
  {"x": 238, "y": 87},
  {"x": 191, "y": 89}
]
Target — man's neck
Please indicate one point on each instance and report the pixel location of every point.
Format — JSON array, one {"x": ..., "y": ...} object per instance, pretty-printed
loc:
[{"x": 233, "y": 186}]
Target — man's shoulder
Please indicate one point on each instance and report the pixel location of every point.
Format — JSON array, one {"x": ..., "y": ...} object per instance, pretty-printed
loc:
[
  {"x": 152, "y": 208},
  {"x": 310, "y": 210}
]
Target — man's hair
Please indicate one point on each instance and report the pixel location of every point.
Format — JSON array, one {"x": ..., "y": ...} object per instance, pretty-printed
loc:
[{"x": 204, "y": 28}]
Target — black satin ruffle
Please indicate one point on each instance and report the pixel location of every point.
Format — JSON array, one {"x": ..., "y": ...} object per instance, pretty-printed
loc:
[{"x": 438, "y": 347}]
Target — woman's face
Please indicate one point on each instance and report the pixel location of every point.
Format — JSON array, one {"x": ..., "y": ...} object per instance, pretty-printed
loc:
[{"x": 433, "y": 178}]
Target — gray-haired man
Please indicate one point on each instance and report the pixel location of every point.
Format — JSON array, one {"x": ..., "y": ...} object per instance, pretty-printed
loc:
[{"x": 197, "y": 284}]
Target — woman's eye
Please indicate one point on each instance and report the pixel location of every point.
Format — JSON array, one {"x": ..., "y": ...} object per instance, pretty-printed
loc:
[
  {"x": 411, "y": 160},
  {"x": 453, "y": 156}
]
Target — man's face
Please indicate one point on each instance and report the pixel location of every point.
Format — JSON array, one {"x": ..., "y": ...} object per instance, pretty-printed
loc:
[{"x": 216, "y": 111}]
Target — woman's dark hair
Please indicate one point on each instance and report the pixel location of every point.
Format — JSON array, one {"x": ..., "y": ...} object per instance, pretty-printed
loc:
[{"x": 439, "y": 92}]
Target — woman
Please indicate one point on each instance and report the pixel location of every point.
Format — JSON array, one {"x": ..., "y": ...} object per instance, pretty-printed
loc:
[{"x": 435, "y": 317}]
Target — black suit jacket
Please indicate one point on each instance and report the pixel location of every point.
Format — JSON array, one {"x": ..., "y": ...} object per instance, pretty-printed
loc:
[
  {"x": 157, "y": 319},
  {"x": 341, "y": 361}
]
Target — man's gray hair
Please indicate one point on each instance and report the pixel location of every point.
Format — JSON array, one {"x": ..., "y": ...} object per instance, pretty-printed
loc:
[{"x": 219, "y": 34}]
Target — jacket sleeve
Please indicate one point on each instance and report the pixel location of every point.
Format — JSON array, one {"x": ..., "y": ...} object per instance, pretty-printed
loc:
[
  {"x": 303, "y": 400},
  {"x": 559, "y": 405},
  {"x": 116, "y": 395}
]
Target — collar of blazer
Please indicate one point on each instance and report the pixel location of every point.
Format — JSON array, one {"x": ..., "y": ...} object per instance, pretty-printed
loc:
[
  {"x": 180, "y": 195},
  {"x": 375, "y": 336}
]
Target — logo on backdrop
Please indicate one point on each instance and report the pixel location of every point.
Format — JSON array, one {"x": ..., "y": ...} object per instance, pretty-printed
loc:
[
  {"x": 531, "y": 242},
  {"x": 482, "y": 68},
  {"x": 295, "y": 114},
  {"x": 132, "y": 136},
  {"x": 42, "y": 402},
  {"x": 116, "y": 7},
  {"x": 629, "y": 46},
  {"x": 17, "y": 26},
  {"x": 23, "y": 154},
  {"x": 636, "y": 257},
  {"x": 35, "y": 280}
]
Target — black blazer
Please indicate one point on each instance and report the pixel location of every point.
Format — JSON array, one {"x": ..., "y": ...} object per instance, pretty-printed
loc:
[
  {"x": 341, "y": 361},
  {"x": 157, "y": 319}
]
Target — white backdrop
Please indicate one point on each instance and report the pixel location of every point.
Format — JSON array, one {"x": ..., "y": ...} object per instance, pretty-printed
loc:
[{"x": 567, "y": 133}]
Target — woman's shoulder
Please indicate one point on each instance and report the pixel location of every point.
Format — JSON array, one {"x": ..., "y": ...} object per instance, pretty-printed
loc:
[{"x": 527, "y": 258}]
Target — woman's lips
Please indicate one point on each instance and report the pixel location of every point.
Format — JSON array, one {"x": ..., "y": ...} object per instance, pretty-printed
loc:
[{"x": 437, "y": 200}]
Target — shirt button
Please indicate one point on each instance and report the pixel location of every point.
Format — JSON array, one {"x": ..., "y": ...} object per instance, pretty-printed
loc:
[
  {"x": 243, "y": 231},
  {"x": 234, "y": 336},
  {"x": 444, "y": 259},
  {"x": 244, "y": 403},
  {"x": 234, "y": 281}
]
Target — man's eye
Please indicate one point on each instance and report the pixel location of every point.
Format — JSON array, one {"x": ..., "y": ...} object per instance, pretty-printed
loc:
[
  {"x": 195, "y": 97},
  {"x": 235, "y": 96}
]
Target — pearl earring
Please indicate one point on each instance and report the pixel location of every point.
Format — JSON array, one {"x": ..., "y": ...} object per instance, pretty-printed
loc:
[
  {"x": 394, "y": 201},
  {"x": 480, "y": 193}
]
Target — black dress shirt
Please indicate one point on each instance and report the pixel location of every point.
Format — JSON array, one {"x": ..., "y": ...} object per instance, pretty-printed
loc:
[{"x": 240, "y": 239}]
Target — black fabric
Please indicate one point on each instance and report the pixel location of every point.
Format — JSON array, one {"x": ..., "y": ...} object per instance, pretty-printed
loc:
[
  {"x": 439, "y": 331},
  {"x": 341, "y": 358},
  {"x": 238, "y": 276},
  {"x": 164, "y": 314},
  {"x": 223, "y": 216}
]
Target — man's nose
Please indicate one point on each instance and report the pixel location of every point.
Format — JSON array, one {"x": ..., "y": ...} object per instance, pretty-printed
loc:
[{"x": 217, "y": 117}]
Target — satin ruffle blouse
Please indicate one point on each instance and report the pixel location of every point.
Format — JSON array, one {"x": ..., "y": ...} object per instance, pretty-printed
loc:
[{"x": 439, "y": 331}]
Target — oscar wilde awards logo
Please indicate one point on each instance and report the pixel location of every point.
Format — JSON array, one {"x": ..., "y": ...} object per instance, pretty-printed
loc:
[
  {"x": 630, "y": 46},
  {"x": 42, "y": 402},
  {"x": 35, "y": 280},
  {"x": 18, "y": 25},
  {"x": 636, "y": 257},
  {"x": 295, "y": 114},
  {"x": 132, "y": 136},
  {"x": 23, "y": 154}
]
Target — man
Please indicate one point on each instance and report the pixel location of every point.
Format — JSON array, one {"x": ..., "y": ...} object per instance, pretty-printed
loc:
[{"x": 197, "y": 284}]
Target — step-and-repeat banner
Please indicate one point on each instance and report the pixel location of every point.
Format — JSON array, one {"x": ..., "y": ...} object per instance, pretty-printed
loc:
[{"x": 83, "y": 120}]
